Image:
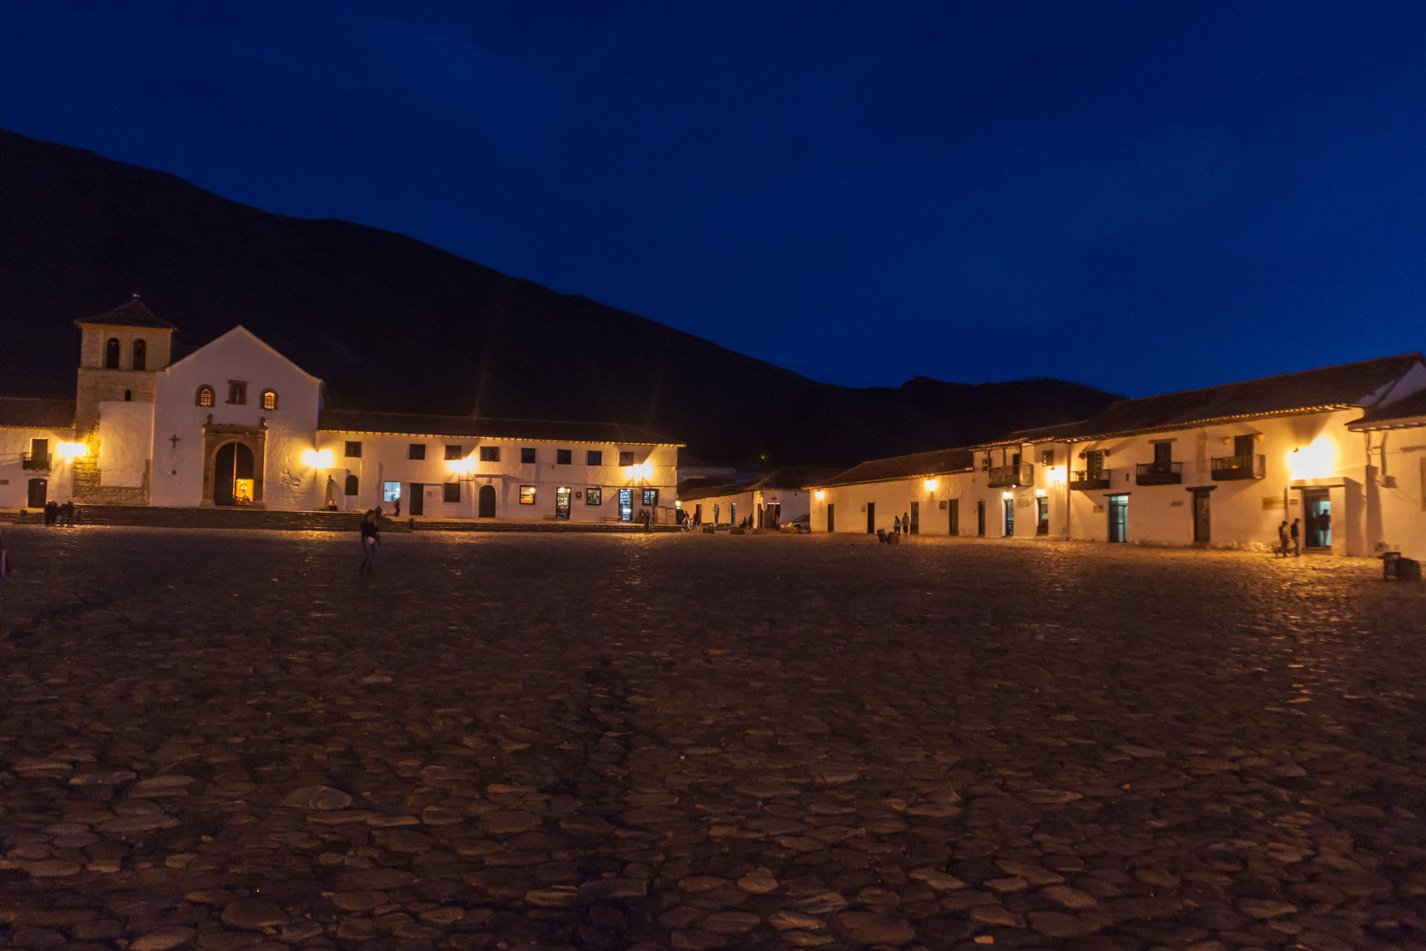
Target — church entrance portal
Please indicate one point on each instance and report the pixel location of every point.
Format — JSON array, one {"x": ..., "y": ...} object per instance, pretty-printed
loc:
[{"x": 233, "y": 482}]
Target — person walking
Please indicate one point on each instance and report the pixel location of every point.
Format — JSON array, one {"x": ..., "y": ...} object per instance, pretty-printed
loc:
[
  {"x": 1297, "y": 538},
  {"x": 370, "y": 541},
  {"x": 1282, "y": 539}
]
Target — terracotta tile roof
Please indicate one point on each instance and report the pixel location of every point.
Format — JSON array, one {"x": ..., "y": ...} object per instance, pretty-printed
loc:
[
  {"x": 470, "y": 427},
  {"x": 915, "y": 465},
  {"x": 1350, "y": 384},
  {"x": 131, "y": 313},
  {"x": 35, "y": 413},
  {"x": 1409, "y": 411}
]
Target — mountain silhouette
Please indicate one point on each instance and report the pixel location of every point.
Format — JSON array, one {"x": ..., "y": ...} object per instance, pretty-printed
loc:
[{"x": 391, "y": 323}]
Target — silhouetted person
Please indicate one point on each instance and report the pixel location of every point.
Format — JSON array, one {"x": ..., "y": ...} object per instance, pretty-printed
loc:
[
  {"x": 370, "y": 542},
  {"x": 1297, "y": 538},
  {"x": 905, "y": 524},
  {"x": 1282, "y": 539},
  {"x": 896, "y": 525},
  {"x": 66, "y": 512}
]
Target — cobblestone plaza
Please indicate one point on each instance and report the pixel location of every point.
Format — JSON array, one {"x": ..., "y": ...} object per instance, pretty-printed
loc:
[{"x": 230, "y": 740}]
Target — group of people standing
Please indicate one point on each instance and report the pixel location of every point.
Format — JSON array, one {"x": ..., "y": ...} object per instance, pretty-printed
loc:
[
  {"x": 57, "y": 514},
  {"x": 901, "y": 525}
]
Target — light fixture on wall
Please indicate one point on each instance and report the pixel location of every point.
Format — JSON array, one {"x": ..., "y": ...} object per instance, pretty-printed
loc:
[
  {"x": 931, "y": 485},
  {"x": 71, "y": 450},
  {"x": 819, "y": 495},
  {"x": 318, "y": 458}
]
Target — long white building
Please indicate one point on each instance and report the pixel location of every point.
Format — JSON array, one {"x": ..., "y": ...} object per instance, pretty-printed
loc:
[
  {"x": 1334, "y": 449},
  {"x": 235, "y": 423}
]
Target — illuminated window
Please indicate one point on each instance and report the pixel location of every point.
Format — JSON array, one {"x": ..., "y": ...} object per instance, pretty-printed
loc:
[
  {"x": 489, "y": 453},
  {"x": 111, "y": 354},
  {"x": 205, "y": 396},
  {"x": 594, "y": 458},
  {"x": 527, "y": 455},
  {"x": 353, "y": 450},
  {"x": 563, "y": 457},
  {"x": 351, "y": 486},
  {"x": 417, "y": 450},
  {"x": 527, "y": 495},
  {"x": 1047, "y": 458},
  {"x": 237, "y": 392},
  {"x": 450, "y": 492},
  {"x": 141, "y": 355},
  {"x": 269, "y": 399},
  {"x": 594, "y": 496},
  {"x": 455, "y": 452},
  {"x": 651, "y": 496},
  {"x": 626, "y": 458},
  {"x": 390, "y": 491}
]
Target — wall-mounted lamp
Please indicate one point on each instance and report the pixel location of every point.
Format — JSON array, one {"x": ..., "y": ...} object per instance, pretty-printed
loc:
[
  {"x": 71, "y": 450},
  {"x": 318, "y": 458},
  {"x": 819, "y": 494},
  {"x": 930, "y": 485}
]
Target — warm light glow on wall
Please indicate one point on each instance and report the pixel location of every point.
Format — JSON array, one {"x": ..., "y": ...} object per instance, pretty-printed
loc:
[
  {"x": 1057, "y": 475},
  {"x": 1039, "y": 493},
  {"x": 819, "y": 495},
  {"x": 71, "y": 450},
  {"x": 318, "y": 458},
  {"x": 1006, "y": 495},
  {"x": 931, "y": 485},
  {"x": 642, "y": 470},
  {"x": 1317, "y": 460},
  {"x": 464, "y": 466}
]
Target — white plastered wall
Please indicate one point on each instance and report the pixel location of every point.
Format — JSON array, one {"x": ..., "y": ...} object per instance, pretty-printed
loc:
[
  {"x": 178, "y": 465},
  {"x": 386, "y": 458},
  {"x": 125, "y": 438}
]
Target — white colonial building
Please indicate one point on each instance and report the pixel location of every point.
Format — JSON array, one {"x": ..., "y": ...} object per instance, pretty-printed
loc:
[
  {"x": 771, "y": 501},
  {"x": 1222, "y": 465},
  {"x": 235, "y": 423}
]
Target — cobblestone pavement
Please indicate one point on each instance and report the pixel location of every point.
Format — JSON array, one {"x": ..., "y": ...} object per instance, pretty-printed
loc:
[{"x": 230, "y": 740}]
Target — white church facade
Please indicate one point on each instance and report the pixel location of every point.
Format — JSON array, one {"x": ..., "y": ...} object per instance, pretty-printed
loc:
[{"x": 235, "y": 423}]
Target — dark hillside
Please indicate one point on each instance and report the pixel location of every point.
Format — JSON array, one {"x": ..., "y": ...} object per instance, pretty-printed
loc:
[{"x": 391, "y": 323}]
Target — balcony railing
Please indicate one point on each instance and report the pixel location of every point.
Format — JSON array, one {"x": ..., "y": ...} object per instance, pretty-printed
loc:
[
  {"x": 1239, "y": 467},
  {"x": 30, "y": 460},
  {"x": 1089, "y": 479},
  {"x": 1010, "y": 476},
  {"x": 1158, "y": 473}
]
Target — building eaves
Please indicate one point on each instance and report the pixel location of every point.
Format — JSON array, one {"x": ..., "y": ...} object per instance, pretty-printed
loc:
[
  {"x": 913, "y": 466},
  {"x": 1404, "y": 413},
  {"x": 17, "y": 412},
  {"x": 1308, "y": 391},
  {"x": 131, "y": 313},
  {"x": 472, "y": 427}
]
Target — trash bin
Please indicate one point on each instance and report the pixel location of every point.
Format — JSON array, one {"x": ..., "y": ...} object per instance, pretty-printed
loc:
[
  {"x": 1408, "y": 569},
  {"x": 1388, "y": 565}
]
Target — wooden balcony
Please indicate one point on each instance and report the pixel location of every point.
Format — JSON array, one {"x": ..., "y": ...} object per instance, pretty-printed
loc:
[
  {"x": 1086, "y": 479},
  {"x": 1227, "y": 468},
  {"x": 30, "y": 460},
  {"x": 1158, "y": 473},
  {"x": 1007, "y": 477}
]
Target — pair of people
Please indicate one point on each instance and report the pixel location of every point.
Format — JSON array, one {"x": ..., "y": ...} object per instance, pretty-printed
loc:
[
  {"x": 901, "y": 524},
  {"x": 1289, "y": 535}
]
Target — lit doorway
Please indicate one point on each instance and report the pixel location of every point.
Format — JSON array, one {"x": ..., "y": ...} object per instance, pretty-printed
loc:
[
  {"x": 562, "y": 497},
  {"x": 1118, "y": 518},
  {"x": 1042, "y": 515},
  {"x": 1317, "y": 512},
  {"x": 1009, "y": 518},
  {"x": 233, "y": 482}
]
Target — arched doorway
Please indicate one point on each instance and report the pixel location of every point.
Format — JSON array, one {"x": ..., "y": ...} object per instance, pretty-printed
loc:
[
  {"x": 233, "y": 475},
  {"x": 487, "y": 502}
]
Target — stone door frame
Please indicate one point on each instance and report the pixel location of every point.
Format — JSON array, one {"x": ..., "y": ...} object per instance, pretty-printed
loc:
[{"x": 215, "y": 437}]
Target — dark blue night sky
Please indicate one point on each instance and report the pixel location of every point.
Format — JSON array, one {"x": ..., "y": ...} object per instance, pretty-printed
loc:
[{"x": 1144, "y": 196}]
